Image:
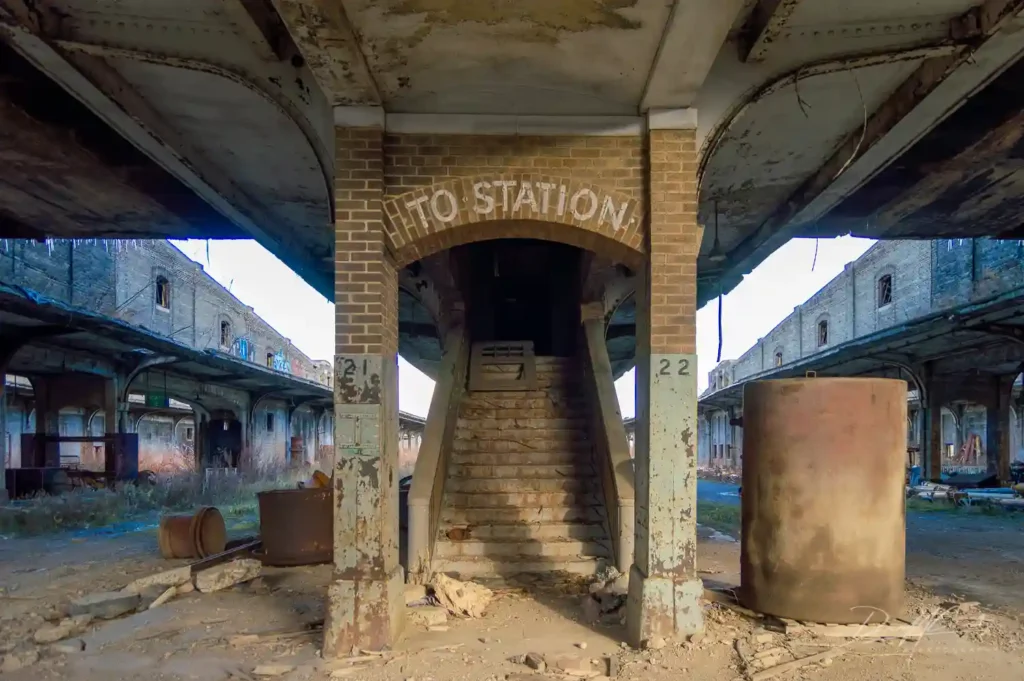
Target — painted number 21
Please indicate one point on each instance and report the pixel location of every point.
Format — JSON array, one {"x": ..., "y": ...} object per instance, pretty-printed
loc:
[
  {"x": 666, "y": 368},
  {"x": 350, "y": 367}
]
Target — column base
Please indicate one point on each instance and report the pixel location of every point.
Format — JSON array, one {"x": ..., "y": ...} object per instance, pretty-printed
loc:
[
  {"x": 661, "y": 606},
  {"x": 366, "y": 614}
]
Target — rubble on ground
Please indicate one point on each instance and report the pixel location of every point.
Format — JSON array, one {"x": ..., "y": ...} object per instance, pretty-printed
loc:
[
  {"x": 105, "y": 606},
  {"x": 461, "y": 599},
  {"x": 605, "y": 600},
  {"x": 227, "y": 575}
]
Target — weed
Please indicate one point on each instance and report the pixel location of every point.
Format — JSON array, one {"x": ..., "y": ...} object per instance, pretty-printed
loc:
[
  {"x": 177, "y": 492},
  {"x": 725, "y": 518}
]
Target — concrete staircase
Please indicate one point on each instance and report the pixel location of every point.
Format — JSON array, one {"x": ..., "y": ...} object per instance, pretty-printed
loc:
[{"x": 523, "y": 493}]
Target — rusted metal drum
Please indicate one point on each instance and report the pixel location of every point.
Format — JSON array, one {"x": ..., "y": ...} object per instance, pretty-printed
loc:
[
  {"x": 192, "y": 536},
  {"x": 297, "y": 526},
  {"x": 823, "y": 498}
]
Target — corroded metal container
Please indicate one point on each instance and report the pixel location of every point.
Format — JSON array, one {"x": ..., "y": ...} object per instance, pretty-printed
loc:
[
  {"x": 297, "y": 526},
  {"x": 823, "y": 498}
]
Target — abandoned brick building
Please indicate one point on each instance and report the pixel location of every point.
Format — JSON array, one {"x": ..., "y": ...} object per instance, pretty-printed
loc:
[
  {"x": 891, "y": 284},
  {"x": 153, "y": 285}
]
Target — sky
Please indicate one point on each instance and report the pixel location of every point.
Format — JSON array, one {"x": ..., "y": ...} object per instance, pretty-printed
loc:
[{"x": 764, "y": 298}]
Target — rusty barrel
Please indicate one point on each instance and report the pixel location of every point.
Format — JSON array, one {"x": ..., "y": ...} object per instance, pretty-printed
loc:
[
  {"x": 297, "y": 526},
  {"x": 823, "y": 498},
  {"x": 198, "y": 535}
]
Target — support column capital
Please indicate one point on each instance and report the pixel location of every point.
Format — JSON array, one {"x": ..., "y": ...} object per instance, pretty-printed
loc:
[{"x": 672, "y": 119}]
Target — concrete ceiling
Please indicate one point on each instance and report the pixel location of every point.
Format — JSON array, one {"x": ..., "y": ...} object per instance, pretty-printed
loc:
[{"x": 228, "y": 108}]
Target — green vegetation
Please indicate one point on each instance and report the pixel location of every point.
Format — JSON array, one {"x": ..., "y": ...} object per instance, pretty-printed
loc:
[
  {"x": 724, "y": 518},
  {"x": 180, "y": 493}
]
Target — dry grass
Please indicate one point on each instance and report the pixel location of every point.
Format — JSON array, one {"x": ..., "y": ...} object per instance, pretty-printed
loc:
[{"x": 174, "y": 492}]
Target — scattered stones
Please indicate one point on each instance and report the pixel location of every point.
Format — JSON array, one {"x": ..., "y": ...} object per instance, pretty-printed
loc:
[
  {"x": 71, "y": 646},
  {"x": 51, "y": 633},
  {"x": 186, "y": 588},
  {"x": 428, "y": 616},
  {"x": 535, "y": 661},
  {"x": 612, "y": 666},
  {"x": 167, "y": 578},
  {"x": 572, "y": 665},
  {"x": 766, "y": 637},
  {"x": 655, "y": 643},
  {"x": 272, "y": 669},
  {"x": 582, "y": 645},
  {"x": 106, "y": 605},
  {"x": 17, "y": 660},
  {"x": 461, "y": 598},
  {"x": 696, "y": 639},
  {"x": 228, "y": 575}
]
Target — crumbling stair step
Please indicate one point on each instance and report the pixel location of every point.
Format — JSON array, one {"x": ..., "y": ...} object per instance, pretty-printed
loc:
[
  {"x": 558, "y": 531},
  {"x": 553, "y": 548}
]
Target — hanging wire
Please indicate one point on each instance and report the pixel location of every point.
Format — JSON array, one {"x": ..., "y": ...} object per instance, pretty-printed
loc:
[{"x": 815, "y": 261}]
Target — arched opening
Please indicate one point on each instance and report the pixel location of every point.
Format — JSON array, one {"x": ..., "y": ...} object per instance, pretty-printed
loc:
[
  {"x": 226, "y": 337},
  {"x": 19, "y": 402},
  {"x": 884, "y": 290},
  {"x": 162, "y": 290},
  {"x": 163, "y": 424},
  {"x": 822, "y": 333}
]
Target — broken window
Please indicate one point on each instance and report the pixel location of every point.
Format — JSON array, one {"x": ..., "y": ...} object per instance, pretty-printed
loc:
[
  {"x": 270, "y": 422},
  {"x": 225, "y": 334},
  {"x": 822, "y": 333},
  {"x": 884, "y": 290},
  {"x": 163, "y": 293},
  {"x": 189, "y": 434},
  {"x": 778, "y": 359},
  {"x": 270, "y": 360}
]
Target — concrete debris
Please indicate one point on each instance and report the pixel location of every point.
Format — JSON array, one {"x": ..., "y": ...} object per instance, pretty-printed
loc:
[
  {"x": 655, "y": 643},
  {"x": 71, "y": 646},
  {"x": 696, "y": 639},
  {"x": 535, "y": 661},
  {"x": 415, "y": 594},
  {"x": 17, "y": 660},
  {"x": 51, "y": 633},
  {"x": 186, "y": 588},
  {"x": 786, "y": 667},
  {"x": 438, "y": 627},
  {"x": 227, "y": 575},
  {"x": 272, "y": 669},
  {"x": 462, "y": 599},
  {"x": 582, "y": 645},
  {"x": 106, "y": 605},
  {"x": 572, "y": 665},
  {"x": 765, "y": 637},
  {"x": 167, "y": 578},
  {"x": 164, "y": 597},
  {"x": 427, "y": 616}
]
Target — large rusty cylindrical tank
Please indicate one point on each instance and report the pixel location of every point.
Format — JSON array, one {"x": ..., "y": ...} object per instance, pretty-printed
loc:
[{"x": 823, "y": 498}]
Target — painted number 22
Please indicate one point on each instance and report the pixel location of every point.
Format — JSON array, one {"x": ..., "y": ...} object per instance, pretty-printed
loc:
[{"x": 666, "y": 368}]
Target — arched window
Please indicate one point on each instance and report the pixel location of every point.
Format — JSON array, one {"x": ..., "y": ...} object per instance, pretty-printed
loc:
[
  {"x": 884, "y": 290},
  {"x": 822, "y": 333},
  {"x": 270, "y": 360},
  {"x": 163, "y": 293},
  {"x": 778, "y": 358},
  {"x": 225, "y": 334}
]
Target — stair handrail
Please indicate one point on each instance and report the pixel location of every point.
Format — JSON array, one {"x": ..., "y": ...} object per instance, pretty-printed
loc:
[
  {"x": 612, "y": 446},
  {"x": 426, "y": 495}
]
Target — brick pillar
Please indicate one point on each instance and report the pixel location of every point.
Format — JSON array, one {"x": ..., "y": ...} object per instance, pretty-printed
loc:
[
  {"x": 365, "y": 600},
  {"x": 664, "y": 591}
]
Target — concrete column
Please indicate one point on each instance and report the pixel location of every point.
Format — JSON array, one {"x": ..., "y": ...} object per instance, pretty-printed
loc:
[
  {"x": 114, "y": 415},
  {"x": 997, "y": 428},
  {"x": 958, "y": 411},
  {"x": 4, "y": 454},
  {"x": 664, "y": 591},
  {"x": 931, "y": 433},
  {"x": 365, "y": 601},
  {"x": 47, "y": 423}
]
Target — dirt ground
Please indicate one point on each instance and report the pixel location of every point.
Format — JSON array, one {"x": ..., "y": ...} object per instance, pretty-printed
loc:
[{"x": 189, "y": 638}]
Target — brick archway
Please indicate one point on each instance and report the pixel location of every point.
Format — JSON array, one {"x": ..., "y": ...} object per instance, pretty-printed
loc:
[{"x": 460, "y": 211}]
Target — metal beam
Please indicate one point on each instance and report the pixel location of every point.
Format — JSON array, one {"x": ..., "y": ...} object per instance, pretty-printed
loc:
[
  {"x": 766, "y": 23},
  {"x": 779, "y": 227}
]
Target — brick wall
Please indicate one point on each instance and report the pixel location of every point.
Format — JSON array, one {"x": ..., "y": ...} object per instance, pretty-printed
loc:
[
  {"x": 80, "y": 275},
  {"x": 524, "y": 178},
  {"x": 850, "y": 305},
  {"x": 969, "y": 269}
]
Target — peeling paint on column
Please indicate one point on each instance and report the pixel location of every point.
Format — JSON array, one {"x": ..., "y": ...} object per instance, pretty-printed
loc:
[{"x": 664, "y": 598}]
